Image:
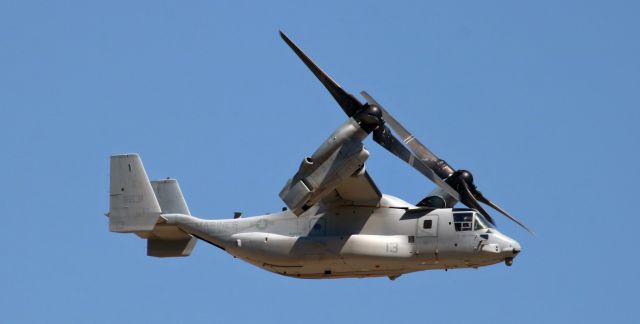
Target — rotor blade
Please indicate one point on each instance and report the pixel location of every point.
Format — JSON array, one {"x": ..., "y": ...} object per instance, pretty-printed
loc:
[
  {"x": 411, "y": 141},
  {"x": 385, "y": 138},
  {"x": 489, "y": 203},
  {"x": 348, "y": 102},
  {"x": 470, "y": 201}
]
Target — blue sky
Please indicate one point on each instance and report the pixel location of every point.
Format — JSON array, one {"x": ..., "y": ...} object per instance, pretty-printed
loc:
[{"x": 540, "y": 100}]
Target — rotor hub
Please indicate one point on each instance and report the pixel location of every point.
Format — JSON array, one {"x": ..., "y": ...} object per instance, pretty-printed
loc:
[
  {"x": 461, "y": 176},
  {"x": 369, "y": 117},
  {"x": 465, "y": 176}
]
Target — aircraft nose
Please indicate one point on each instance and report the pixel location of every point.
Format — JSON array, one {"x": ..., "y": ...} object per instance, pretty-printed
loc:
[
  {"x": 512, "y": 249},
  {"x": 514, "y": 246}
]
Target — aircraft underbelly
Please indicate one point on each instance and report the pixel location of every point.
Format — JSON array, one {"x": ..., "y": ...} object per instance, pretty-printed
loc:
[{"x": 331, "y": 256}]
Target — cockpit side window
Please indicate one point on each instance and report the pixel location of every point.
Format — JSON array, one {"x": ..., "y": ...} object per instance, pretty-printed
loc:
[{"x": 463, "y": 221}]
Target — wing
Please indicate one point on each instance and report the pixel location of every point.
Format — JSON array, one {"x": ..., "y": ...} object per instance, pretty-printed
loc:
[{"x": 359, "y": 190}]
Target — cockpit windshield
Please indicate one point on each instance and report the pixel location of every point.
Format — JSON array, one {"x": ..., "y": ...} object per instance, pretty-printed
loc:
[
  {"x": 470, "y": 221},
  {"x": 480, "y": 222}
]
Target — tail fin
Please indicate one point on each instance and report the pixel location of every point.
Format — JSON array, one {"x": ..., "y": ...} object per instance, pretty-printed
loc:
[
  {"x": 168, "y": 240},
  {"x": 170, "y": 197},
  {"x": 133, "y": 206},
  {"x": 136, "y": 206}
]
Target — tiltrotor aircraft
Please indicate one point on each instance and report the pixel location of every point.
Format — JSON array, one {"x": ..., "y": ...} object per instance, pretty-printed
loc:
[{"x": 337, "y": 223}]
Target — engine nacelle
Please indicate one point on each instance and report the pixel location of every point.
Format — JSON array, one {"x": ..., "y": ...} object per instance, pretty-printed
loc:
[
  {"x": 349, "y": 131},
  {"x": 337, "y": 158}
]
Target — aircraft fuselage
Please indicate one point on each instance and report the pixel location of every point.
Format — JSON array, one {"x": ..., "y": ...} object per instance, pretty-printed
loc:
[{"x": 355, "y": 241}]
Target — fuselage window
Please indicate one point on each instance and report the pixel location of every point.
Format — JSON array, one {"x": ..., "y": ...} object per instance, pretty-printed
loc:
[
  {"x": 463, "y": 221},
  {"x": 426, "y": 224}
]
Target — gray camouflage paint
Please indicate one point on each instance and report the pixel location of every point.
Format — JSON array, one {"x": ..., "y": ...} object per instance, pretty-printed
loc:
[{"x": 350, "y": 241}]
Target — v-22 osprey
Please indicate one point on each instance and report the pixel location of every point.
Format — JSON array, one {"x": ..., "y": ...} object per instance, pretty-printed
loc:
[{"x": 337, "y": 223}]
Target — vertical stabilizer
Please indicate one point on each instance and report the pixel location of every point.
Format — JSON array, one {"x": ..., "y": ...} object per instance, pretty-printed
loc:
[
  {"x": 170, "y": 197},
  {"x": 168, "y": 240},
  {"x": 133, "y": 206}
]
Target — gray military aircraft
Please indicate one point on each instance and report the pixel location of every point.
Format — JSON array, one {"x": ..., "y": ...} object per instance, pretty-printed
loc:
[{"x": 337, "y": 223}]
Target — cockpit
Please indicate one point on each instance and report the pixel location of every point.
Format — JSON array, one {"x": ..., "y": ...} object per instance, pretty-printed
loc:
[{"x": 470, "y": 221}]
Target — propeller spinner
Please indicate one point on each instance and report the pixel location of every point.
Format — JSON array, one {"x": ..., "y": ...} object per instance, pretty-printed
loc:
[{"x": 374, "y": 118}]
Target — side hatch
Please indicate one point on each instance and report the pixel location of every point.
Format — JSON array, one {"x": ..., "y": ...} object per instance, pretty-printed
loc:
[{"x": 426, "y": 242}]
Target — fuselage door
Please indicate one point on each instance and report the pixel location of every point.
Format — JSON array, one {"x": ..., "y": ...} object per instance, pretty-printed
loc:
[
  {"x": 427, "y": 226},
  {"x": 426, "y": 242}
]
